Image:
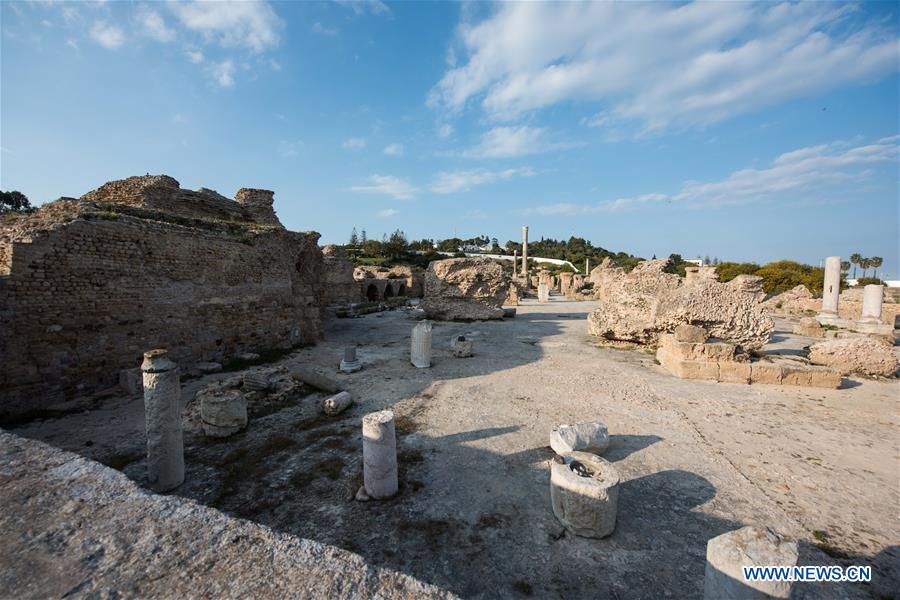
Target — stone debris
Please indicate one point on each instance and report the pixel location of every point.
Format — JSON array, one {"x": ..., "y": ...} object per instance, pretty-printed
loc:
[
  {"x": 640, "y": 305},
  {"x": 248, "y": 356},
  {"x": 465, "y": 289},
  {"x": 727, "y": 554},
  {"x": 793, "y": 301},
  {"x": 460, "y": 347},
  {"x": 810, "y": 327},
  {"x": 256, "y": 381},
  {"x": 585, "y": 503},
  {"x": 864, "y": 355},
  {"x": 691, "y": 333},
  {"x": 306, "y": 375},
  {"x": 208, "y": 367},
  {"x": 337, "y": 403},
  {"x": 509, "y": 312},
  {"x": 590, "y": 437},
  {"x": 162, "y": 412},
  {"x": 223, "y": 411}
]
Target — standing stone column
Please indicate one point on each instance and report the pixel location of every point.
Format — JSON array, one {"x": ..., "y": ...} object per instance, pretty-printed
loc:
[
  {"x": 873, "y": 297},
  {"x": 162, "y": 409},
  {"x": 525, "y": 251},
  {"x": 747, "y": 547},
  {"x": 831, "y": 290},
  {"x": 543, "y": 293},
  {"x": 515, "y": 263},
  {"x": 379, "y": 454},
  {"x": 420, "y": 349},
  {"x": 350, "y": 364}
]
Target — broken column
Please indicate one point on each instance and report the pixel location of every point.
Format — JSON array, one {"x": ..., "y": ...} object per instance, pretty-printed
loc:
[
  {"x": 831, "y": 290},
  {"x": 350, "y": 364},
  {"x": 873, "y": 297},
  {"x": 420, "y": 350},
  {"x": 337, "y": 403},
  {"x": 727, "y": 554},
  {"x": 584, "y": 492},
  {"x": 223, "y": 412},
  {"x": 162, "y": 409},
  {"x": 379, "y": 454},
  {"x": 460, "y": 347},
  {"x": 525, "y": 254},
  {"x": 543, "y": 293},
  {"x": 590, "y": 437}
]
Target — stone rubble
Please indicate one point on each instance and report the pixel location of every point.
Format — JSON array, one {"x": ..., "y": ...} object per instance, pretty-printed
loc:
[
  {"x": 869, "y": 355},
  {"x": 590, "y": 437},
  {"x": 465, "y": 289}
]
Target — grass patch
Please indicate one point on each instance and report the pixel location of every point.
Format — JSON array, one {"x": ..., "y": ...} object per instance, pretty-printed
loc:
[
  {"x": 405, "y": 424},
  {"x": 820, "y": 535}
]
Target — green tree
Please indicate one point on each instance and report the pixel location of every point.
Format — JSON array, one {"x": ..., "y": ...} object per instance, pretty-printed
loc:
[
  {"x": 876, "y": 261},
  {"x": 865, "y": 263},
  {"x": 354, "y": 239},
  {"x": 450, "y": 245},
  {"x": 845, "y": 266},
  {"x": 855, "y": 258},
  {"x": 396, "y": 245},
  {"x": 362, "y": 238},
  {"x": 15, "y": 201},
  {"x": 729, "y": 270}
]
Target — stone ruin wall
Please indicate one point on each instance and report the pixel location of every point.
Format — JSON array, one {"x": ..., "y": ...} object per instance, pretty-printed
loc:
[{"x": 82, "y": 298}]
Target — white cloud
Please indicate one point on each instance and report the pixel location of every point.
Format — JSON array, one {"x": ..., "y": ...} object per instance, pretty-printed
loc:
[
  {"x": 444, "y": 131},
  {"x": 195, "y": 56},
  {"x": 506, "y": 142},
  {"x": 72, "y": 44},
  {"x": 388, "y": 185},
  {"x": 394, "y": 149},
  {"x": 154, "y": 25},
  {"x": 323, "y": 30},
  {"x": 361, "y": 7},
  {"x": 223, "y": 73},
  {"x": 460, "y": 181},
  {"x": 179, "y": 119},
  {"x": 289, "y": 149},
  {"x": 251, "y": 24},
  {"x": 802, "y": 175},
  {"x": 354, "y": 144},
  {"x": 387, "y": 212},
  {"x": 108, "y": 36},
  {"x": 661, "y": 65}
]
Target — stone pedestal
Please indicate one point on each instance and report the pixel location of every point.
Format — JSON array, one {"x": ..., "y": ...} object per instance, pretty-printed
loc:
[
  {"x": 224, "y": 413},
  {"x": 336, "y": 403},
  {"x": 350, "y": 364},
  {"x": 162, "y": 409},
  {"x": 379, "y": 454},
  {"x": 873, "y": 297},
  {"x": 543, "y": 293},
  {"x": 831, "y": 290},
  {"x": 584, "y": 492},
  {"x": 460, "y": 347},
  {"x": 750, "y": 546},
  {"x": 420, "y": 349}
]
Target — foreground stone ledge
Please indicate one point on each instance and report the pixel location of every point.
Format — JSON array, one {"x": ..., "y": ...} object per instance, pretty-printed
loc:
[{"x": 75, "y": 528}]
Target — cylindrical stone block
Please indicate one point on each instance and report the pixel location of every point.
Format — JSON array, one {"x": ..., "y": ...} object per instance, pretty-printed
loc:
[
  {"x": 584, "y": 492},
  {"x": 379, "y": 454},
  {"x": 727, "y": 554},
  {"x": 420, "y": 348},
  {"x": 873, "y": 297},
  {"x": 336, "y": 403},
  {"x": 350, "y": 364},
  {"x": 162, "y": 409},
  {"x": 223, "y": 413},
  {"x": 832, "y": 287}
]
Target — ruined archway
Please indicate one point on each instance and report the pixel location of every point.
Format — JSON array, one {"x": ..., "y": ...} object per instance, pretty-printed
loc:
[
  {"x": 388, "y": 291},
  {"x": 371, "y": 292},
  {"x": 401, "y": 291}
]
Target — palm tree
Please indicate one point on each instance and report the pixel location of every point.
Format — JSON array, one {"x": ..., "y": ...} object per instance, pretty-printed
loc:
[
  {"x": 845, "y": 266},
  {"x": 855, "y": 258},
  {"x": 876, "y": 262},
  {"x": 865, "y": 263}
]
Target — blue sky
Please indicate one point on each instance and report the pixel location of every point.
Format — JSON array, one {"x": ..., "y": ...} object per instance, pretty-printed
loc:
[{"x": 742, "y": 131}]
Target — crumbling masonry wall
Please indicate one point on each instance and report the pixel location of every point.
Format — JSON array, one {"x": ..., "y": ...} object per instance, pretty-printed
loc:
[{"x": 87, "y": 287}]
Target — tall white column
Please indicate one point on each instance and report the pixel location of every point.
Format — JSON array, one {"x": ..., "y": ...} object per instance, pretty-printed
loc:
[
  {"x": 379, "y": 454},
  {"x": 873, "y": 297},
  {"x": 831, "y": 290},
  {"x": 162, "y": 409},
  {"x": 420, "y": 346},
  {"x": 525, "y": 251}
]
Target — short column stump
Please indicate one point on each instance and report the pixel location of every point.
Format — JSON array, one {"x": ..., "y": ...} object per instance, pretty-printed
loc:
[{"x": 584, "y": 492}]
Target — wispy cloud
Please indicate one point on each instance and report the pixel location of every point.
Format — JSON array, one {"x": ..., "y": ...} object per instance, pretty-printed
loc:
[
  {"x": 729, "y": 59},
  {"x": 108, "y": 36},
  {"x": 394, "y": 149},
  {"x": 361, "y": 7},
  {"x": 507, "y": 142},
  {"x": 253, "y": 25},
  {"x": 386, "y": 213},
  {"x": 195, "y": 56},
  {"x": 461, "y": 181},
  {"x": 790, "y": 178},
  {"x": 444, "y": 131},
  {"x": 323, "y": 30},
  {"x": 354, "y": 144},
  {"x": 153, "y": 25},
  {"x": 223, "y": 73},
  {"x": 388, "y": 185}
]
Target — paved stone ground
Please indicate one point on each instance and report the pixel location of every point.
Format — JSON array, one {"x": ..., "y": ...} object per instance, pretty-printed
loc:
[{"x": 473, "y": 515}]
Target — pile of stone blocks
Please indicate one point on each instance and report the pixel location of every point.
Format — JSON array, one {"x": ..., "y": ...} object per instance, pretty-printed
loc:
[{"x": 688, "y": 355}]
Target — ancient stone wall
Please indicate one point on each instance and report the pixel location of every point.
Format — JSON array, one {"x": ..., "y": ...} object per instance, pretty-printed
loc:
[
  {"x": 339, "y": 286},
  {"x": 88, "y": 287}
]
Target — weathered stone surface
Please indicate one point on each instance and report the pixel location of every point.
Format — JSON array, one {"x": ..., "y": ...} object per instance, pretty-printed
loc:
[
  {"x": 379, "y": 454},
  {"x": 223, "y": 412},
  {"x": 586, "y": 506},
  {"x": 465, "y": 289},
  {"x": 111, "y": 538},
  {"x": 460, "y": 347},
  {"x": 338, "y": 284},
  {"x": 864, "y": 355},
  {"x": 638, "y": 306},
  {"x": 728, "y": 553},
  {"x": 793, "y": 301},
  {"x": 590, "y": 437},
  {"x": 690, "y": 333},
  {"x": 142, "y": 263},
  {"x": 420, "y": 345},
  {"x": 810, "y": 376},
  {"x": 809, "y": 327}
]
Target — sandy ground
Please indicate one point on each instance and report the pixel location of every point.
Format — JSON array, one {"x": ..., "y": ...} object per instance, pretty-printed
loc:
[{"x": 473, "y": 515}]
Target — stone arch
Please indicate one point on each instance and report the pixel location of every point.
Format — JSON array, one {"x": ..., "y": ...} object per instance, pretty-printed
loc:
[
  {"x": 372, "y": 292},
  {"x": 401, "y": 291},
  {"x": 388, "y": 291}
]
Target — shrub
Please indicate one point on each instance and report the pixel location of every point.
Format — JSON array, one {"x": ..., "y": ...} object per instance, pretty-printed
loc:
[{"x": 868, "y": 281}]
